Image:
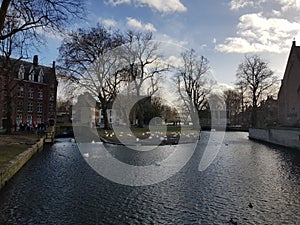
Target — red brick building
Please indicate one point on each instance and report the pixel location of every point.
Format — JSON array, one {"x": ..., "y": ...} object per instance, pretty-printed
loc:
[
  {"x": 33, "y": 90},
  {"x": 289, "y": 93}
]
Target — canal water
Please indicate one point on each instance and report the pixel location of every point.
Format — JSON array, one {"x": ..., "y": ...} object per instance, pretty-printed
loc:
[{"x": 58, "y": 187}]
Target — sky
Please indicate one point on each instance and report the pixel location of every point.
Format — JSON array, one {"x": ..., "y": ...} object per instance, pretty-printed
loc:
[{"x": 223, "y": 31}]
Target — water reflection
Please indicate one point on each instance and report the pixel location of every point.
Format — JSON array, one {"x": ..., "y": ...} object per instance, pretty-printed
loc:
[{"x": 58, "y": 187}]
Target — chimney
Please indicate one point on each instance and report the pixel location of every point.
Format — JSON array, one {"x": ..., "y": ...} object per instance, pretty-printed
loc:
[
  {"x": 294, "y": 42},
  {"x": 35, "y": 60},
  {"x": 53, "y": 64}
]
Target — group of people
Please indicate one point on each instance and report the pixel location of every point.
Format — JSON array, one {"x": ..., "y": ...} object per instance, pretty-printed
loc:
[{"x": 32, "y": 126}]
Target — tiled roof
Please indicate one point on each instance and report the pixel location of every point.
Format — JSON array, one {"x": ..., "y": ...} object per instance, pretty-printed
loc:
[{"x": 49, "y": 72}]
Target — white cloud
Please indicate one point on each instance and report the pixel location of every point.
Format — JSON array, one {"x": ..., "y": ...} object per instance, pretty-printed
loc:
[
  {"x": 168, "y": 46},
  {"x": 284, "y": 4},
  {"x": 238, "y": 4},
  {"x": 289, "y": 4},
  {"x": 256, "y": 33},
  {"x": 56, "y": 36},
  {"x": 166, "y": 6},
  {"x": 224, "y": 86},
  {"x": 276, "y": 13},
  {"x": 150, "y": 27},
  {"x": 117, "y": 2},
  {"x": 174, "y": 61},
  {"x": 109, "y": 22},
  {"x": 139, "y": 25}
]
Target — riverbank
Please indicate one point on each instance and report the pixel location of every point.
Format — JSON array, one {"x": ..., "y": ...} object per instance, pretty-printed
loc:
[
  {"x": 169, "y": 135},
  {"x": 286, "y": 137},
  {"x": 15, "y": 151}
]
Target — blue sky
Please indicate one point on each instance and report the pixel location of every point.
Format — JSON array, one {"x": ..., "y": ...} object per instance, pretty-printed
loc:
[{"x": 221, "y": 30}]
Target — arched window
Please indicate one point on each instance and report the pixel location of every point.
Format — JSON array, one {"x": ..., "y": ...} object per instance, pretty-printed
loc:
[
  {"x": 41, "y": 76},
  {"x": 31, "y": 74},
  {"x": 21, "y": 72}
]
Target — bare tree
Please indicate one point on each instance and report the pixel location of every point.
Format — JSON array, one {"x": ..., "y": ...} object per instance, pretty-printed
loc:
[
  {"x": 91, "y": 59},
  {"x": 143, "y": 66},
  {"x": 20, "y": 26},
  {"x": 233, "y": 100},
  {"x": 255, "y": 73},
  {"x": 48, "y": 15},
  {"x": 16, "y": 44},
  {"x": 193, "y": 86}
]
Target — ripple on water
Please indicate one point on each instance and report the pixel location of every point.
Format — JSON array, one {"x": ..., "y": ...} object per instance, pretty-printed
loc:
[{"x": 58, "y": 187}]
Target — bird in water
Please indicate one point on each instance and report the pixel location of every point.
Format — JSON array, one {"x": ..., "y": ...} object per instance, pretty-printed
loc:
[{"x": 250, "y": 205}]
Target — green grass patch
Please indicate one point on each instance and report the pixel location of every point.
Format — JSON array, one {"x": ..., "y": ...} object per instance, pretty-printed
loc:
[
  {"x": 7, "y": 153},
  {"x": 13, "y": 145}
]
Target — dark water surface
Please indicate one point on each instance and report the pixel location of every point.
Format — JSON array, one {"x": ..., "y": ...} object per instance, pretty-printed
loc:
[{"x": 58, "y": 187}]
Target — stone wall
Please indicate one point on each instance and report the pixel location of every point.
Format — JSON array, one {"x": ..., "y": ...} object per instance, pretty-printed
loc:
[
  {"x": 284, "y": 137},
  {"x": 289, "y": 93},
  {"x": 18, "y": 162}
]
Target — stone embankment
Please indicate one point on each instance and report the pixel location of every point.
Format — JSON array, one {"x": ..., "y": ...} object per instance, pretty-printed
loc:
[
  {"x": 14, "y": 165},
  {"x": 286, "y": 137}
]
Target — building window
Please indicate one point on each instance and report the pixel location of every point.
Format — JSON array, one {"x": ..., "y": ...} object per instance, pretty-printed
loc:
[
  {"x": 4, "y": 109},
  {"x": 30, "y": 93},
  {"x": 20, "y": 106},
  {"x": 21, "y": 92},
  {"x": 29, "y": 119},
  {"x": 31, "y": 74},
  {"x": 40, "y": 107},
  {"x": 51, "y": 107},
  {"x": 39, "y": 119},
  {"x": 30, "y": 106},
  {"x": 21, "y": 72},
  {"x": 40, "y": 94},
  {"x": 51, "y": 96},
  {"x": 19, "y": 119},
  {"x": 41, "y": 76}
]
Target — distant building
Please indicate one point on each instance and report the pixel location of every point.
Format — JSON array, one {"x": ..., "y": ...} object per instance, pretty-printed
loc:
[
  {"x": 289, "y": 93},
  {"x": 86, "y": 111},
  {"x": 267, "y": 113},
  {"x": 34, "y": 90},
  {"x": 64, "y": 114}
]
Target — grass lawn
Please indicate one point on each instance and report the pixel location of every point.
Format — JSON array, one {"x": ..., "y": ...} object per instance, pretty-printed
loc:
[{"x": 12, "y": 145}]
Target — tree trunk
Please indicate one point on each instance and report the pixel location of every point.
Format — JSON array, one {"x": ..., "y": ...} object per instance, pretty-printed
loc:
[
  {"x": 105, "y": 119},
  {"x": 3, "y": 12},
  {"x": 254, "y": 117},
  {"x": 8, "y": 125},
  {"x": 8, "y": 98},
  {"x": 254, "y": 112},
  {"x": 195, "y": 120},
  {"x": 140, "y": 114}
]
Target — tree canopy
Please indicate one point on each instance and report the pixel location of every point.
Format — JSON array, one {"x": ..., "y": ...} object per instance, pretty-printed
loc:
[
  {"x": 254, "y": 74},
  {"x": 48, "y": 15}
]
